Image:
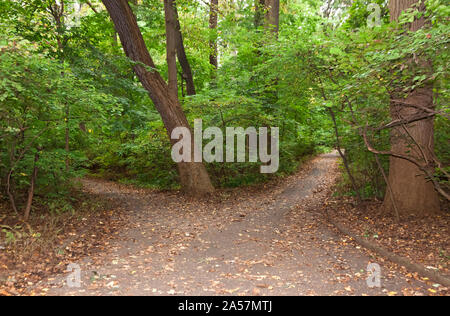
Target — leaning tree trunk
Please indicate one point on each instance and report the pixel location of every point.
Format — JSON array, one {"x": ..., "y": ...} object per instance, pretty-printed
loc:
[
  {"x": 412, "y": 192},
  {"x": 193, "y": 176}
]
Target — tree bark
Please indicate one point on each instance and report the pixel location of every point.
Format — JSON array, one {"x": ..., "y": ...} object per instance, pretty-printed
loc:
[
  {"x": 27, "y": 210},
  {"x": 181, "y": 54},
  {"x": 171, "y": 47},
  {"x": 412, "y": 192},
  {"x": 193, "y": 176},
  {"x": 67, "y": 137},
  {"x": 273, "y": 16}
]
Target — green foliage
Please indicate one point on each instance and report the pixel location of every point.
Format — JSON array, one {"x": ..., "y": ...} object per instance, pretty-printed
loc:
[
  {"x": 72, "y": 75},
  {"x": 36, "y": 95},
  {"x": 364, "y": 68},
  {"x": 360, "y": 11},
  {"x": 246, "y": 93}
]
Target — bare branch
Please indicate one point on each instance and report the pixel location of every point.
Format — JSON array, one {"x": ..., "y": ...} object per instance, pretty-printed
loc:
[
  {"x": 403, "y": 121},
  {"x": 92, "y": 7},
  {"x": 397, "y": 215},
  {"x": 424, "y": 108},
  {"x": 422, "y": 168}
]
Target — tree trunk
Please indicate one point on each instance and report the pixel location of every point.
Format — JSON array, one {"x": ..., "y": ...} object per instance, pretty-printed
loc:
[
  {"x": 213, "y": 13},
  {"x": 412, "y": 191},
  {"x": 57, "y": 10},
  {"x": 182, "y": 58},
  {"x": 67, "y": 137},
  {"x": 267, "y": 13},
  {"x": 273, "y": 16},
  {"x": 344, "y": 158},
  {"x": 193, "y": 176},
  {"x": 27, "y": 210},
  {"x": 9, "y": 179},
  {"x": 171, "y": 47}
]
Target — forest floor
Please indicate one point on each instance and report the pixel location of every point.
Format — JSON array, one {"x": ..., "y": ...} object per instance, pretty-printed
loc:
[{"x": 266, "y": 240}]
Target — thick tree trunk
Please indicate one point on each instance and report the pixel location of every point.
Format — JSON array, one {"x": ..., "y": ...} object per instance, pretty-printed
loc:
[
  {"x": 213, "y": 13},
  {"x": 181, "y": 54},
  {"x": 412, "y": 191},
  {"x": 193, "y": 176}
]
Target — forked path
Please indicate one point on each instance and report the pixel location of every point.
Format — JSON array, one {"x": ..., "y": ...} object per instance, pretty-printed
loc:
[{"x": 267, "y": 241}]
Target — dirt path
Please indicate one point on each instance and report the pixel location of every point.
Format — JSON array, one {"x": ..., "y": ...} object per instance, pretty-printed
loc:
[{"x": 266, "y": 241}]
